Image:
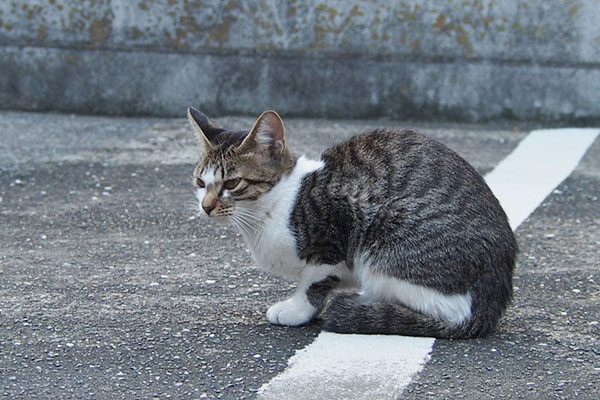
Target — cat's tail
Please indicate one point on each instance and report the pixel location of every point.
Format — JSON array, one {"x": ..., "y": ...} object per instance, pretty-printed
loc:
[{"x": 344, "y": 315}]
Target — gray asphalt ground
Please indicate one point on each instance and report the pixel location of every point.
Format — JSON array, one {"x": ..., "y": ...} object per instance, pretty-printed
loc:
[{"x": 111, "y": 286}]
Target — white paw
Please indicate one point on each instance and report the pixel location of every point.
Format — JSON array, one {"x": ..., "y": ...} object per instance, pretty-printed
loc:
[{"x": 291, "y": 312}]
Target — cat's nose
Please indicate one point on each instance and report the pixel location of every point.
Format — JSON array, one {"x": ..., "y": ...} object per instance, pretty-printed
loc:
[
  {"x": 208, "y": 208},
  {"x": 209, "y": 202}
]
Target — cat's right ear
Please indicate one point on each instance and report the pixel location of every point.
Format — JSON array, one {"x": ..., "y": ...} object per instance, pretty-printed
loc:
[
  {"x": 267, "y": 136},
  {"x": 203, "y": 127}
]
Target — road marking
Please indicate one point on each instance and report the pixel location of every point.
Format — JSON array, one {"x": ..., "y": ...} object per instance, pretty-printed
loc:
[
  {"x": 535, "y": 167},
  {"x": 376, "y": 367},
  {"x": 350, "y": 366}
]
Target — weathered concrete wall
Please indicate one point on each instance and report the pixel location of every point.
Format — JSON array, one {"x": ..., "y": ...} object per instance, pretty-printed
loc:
[{"x": 454, "y": 59}]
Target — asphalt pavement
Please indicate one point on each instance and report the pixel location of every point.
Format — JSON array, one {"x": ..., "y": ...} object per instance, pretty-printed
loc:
[{"x": 111, "y": 286}]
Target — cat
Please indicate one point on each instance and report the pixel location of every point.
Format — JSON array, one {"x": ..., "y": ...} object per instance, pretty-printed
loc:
[{"x": 389, "y": 232}]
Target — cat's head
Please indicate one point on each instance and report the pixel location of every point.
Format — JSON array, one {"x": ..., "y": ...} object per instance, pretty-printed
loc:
[{"x": 238, "y": 168}]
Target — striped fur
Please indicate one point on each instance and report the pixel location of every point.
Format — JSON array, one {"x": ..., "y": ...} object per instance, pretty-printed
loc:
[{"x": 408, "y": 228}]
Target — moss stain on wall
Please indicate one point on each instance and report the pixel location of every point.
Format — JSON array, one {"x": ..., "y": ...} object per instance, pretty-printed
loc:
[
  {"x": 457, "y": 27},
  {"x": 100, "y": 30}
]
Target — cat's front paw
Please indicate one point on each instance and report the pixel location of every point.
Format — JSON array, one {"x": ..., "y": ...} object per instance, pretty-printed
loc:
[{"x": 291, "y": 312}]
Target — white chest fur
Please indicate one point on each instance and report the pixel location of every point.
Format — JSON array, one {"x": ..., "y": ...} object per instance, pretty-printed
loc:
[{"x": 274, "y": 246}]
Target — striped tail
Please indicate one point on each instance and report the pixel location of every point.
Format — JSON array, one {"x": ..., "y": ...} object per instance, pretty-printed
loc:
[{"x": 344, "y": 315}]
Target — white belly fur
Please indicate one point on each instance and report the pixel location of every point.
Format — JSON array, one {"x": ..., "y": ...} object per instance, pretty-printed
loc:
[{"x": 455, "y": 309}]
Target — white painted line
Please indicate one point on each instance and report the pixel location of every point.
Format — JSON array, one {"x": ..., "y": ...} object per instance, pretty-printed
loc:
[
  {"x": 350, "y": 367},
  {"x": 538, "y": 164},
  {"x": 380, "y": 367}
]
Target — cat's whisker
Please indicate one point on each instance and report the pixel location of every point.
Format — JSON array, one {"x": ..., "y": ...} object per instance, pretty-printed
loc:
[
  {"x": 245, "y": 230},
  {"x": 247, "y": 210},
  {"x": 192, "y": 205},
  {"x": 252, "y": 218},
  {"x": 249, "y": 213},
  {"x": 241, "y": 227},
  {"x": 245, "y": 222},
  {"x": 252, "y": 228},
  {"x": 256, "y": 224}
]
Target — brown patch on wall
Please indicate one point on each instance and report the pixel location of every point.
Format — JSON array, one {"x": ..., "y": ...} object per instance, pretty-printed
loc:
[
  {"x": 134, "y": 33},
  {"x": 444, "y": 26},
  {"x": 325, "y": 25},
  {"x": 42, "y": 32},
  {"x": 99, "y": 30},
  {"x": 573, "y": 10},
  {"x": 220, "y": 32}
]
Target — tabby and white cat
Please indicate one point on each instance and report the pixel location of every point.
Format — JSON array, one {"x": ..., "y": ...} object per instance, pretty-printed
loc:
[{"x": 404, "y": 225}]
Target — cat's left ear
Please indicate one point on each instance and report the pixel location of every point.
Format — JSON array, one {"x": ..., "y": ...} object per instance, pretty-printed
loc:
[
  {"x": 204, "y": 128},
  {"x": 267, "y": 136}
]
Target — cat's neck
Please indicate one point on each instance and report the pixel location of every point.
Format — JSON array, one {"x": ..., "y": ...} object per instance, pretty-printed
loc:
[{"x": 272, "y": 211}]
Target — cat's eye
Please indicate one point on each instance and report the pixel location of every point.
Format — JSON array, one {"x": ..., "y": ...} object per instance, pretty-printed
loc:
[
  {"x": 231, "y": 183},
  {"x": 200, "y": 183}
]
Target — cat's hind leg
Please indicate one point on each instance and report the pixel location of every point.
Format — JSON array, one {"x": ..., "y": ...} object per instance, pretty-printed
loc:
[{"x": 307, "y": 302}]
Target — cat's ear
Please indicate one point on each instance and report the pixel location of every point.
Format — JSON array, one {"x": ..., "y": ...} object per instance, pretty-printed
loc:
[
  {"x": 203, "y": 127},
  {"x": 267, "y": 136}
]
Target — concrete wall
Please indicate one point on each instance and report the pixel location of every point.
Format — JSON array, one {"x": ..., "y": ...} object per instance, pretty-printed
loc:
[{"x": 453, "y": 59}]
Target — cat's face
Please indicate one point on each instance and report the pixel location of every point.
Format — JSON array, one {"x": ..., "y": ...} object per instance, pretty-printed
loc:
[{"x": 238, "y": 168}]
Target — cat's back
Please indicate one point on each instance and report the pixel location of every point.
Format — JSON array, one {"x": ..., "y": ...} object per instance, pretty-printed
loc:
[
  {"x": 387, "y": 166},
  {"x": 391, "y": 148},
  {"x": 396, "y": 163},
  {"x": 375, "y": 140},
  {"x": 398, "y": 180}
]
